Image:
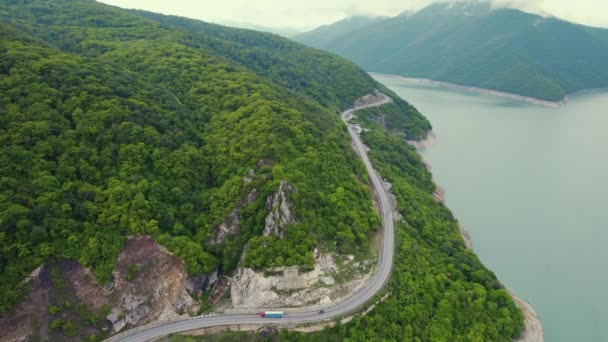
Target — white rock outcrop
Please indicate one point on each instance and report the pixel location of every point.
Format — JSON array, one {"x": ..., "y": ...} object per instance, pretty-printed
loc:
[
  {"x": 117, "y": 319},
  {"x": 230, "y": 226},
  {"x": 251, "y": 290},
  {"x": 370, "y": 98},
  {"x": 278, "y": 207}
]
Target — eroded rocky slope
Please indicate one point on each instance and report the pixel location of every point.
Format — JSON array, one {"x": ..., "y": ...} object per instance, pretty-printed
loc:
[{"x": 65, "y": 301}]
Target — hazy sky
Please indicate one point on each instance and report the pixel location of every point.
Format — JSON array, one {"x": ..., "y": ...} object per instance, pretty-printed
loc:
[{"x": 308, "y": 14}]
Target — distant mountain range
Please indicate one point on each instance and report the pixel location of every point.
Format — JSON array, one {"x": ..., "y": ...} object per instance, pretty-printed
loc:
[
  {"x": 145, "y": 157},
  {"x": 474, "y": 44},
  {"x": 324, "y": 36}
]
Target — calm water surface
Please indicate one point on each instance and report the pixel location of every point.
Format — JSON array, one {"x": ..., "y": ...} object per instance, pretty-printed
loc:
[{"x": 530, "y": 183}]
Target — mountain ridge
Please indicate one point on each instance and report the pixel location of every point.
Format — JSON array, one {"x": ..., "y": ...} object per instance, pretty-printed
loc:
[{"x": 501, "y": 49}]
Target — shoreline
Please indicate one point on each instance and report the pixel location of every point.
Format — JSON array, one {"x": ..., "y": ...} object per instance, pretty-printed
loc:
[
  {"x": 421, "y": 145},
  {"x": 497, "y": 93},
  {"x": 533, "y": 329}
]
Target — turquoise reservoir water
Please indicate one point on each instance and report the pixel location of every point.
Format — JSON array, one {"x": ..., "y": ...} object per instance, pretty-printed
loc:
[{"x": 531, "y": 185}]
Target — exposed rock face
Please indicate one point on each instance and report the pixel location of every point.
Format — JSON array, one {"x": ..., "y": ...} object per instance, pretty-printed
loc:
[
  {"x": 427, "y": 142},
  {"x": 149, "y": 284},
  {"x": 249, "y": 177},
  {"x": 466, "y": 237},
  {"x": 439, "y": 194},
  {"x": 327, "y": 280},
  {"x": 53, "y": 286},
  {"x": 370, "y": 98},
  {"x": 252, "y": 290},
  {"x": 230, "y": 226},
  {"x": 279, "y": 212},
  {"x": 117, "y": 319},
  {"x": 201, "y": 283},
  {"x": 135, "y": 307},
  {"x": 221, "y": 287}
]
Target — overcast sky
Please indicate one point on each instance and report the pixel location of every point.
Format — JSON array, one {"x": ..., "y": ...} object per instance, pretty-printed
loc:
[{"x": 308, "y": 14}]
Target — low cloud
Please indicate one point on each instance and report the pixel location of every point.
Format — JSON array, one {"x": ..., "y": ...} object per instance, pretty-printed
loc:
[{"x": 304, "y": 15}]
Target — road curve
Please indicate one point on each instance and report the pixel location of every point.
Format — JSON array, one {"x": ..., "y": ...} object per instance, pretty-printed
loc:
[{"x": 359, "y": 298}]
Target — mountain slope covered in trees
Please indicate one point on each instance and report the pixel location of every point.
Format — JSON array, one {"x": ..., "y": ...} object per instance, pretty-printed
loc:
[
  {"x": 439, "y": 290},
  {"x": 118, "y": 123},
  {"x": 472, "y": 44}
]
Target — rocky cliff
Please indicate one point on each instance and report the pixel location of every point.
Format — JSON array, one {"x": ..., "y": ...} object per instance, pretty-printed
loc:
[
  {"x": 368, "y": 99},
  {"x": 278, "y": 207},
  {"x": 230, "y": 226},
  {"x": 289, "y": 287},
  {"x": 66, "y": 302}
]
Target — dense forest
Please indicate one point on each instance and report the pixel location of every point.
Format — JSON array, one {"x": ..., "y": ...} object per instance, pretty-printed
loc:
[
  {"x": 475, "y": 44},
  {"x": 397, "y": 118},
  {"x": 114, "y": 125},
  {"x": 118, "y": 123},
  {"x": 439, "y": 290}
]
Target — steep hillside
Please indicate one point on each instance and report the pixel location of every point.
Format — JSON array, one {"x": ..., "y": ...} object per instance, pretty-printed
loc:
[
  {"x": 116, "y": 125},
  {"x": 439, "y": 290},
  {"x": 329, "y": 79},
  {"x": 473, "y": 44},
  {"x": 325, "y": 77},
  {"x": 143, "y": 154}
]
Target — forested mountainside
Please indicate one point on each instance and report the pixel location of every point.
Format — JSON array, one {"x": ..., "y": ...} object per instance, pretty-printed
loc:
[
  {"x": 118, "y": 124},
  {"x": 301, "y": 69},
  {"x": 439, "y": 290},
  {"x": 472, "y": 44}
]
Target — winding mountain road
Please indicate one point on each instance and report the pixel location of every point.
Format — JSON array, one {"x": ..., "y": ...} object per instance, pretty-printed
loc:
[{"x": 302, "y": 315}]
